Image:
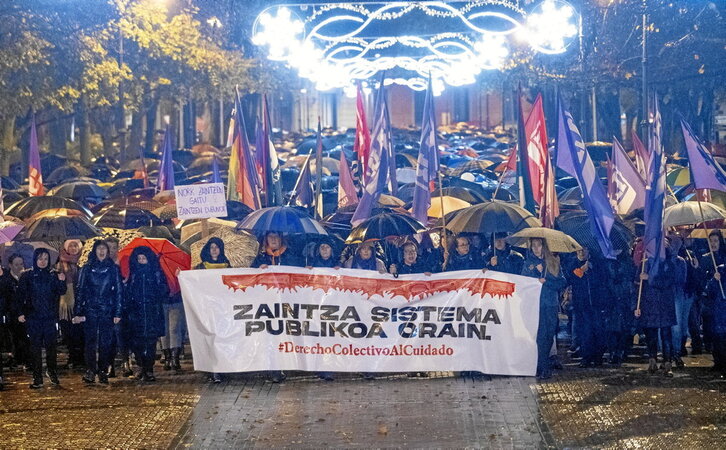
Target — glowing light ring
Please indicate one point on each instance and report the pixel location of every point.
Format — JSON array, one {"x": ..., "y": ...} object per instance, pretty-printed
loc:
[{"x": 331, "y": 60}]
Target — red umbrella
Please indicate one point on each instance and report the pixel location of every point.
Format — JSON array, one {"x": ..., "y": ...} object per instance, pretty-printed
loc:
[{"x": 171, "y": 258}]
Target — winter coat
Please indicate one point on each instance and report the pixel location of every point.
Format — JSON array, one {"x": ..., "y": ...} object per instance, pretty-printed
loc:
[
  {"x": 705, "y": 268},
  {"x": 470, "y": 261},
  {"x": 99, "y": 290},
  {"x": 8, "y": 287},
  {"x": 366, "y": 264},
  {"x": 508, "y": 260},
  {"x": 716, "y": 303},
  {"x": 320, "y": 262},
  {"x": 587, "y": 288},
  {"x": 417, "y": 267},
  {"x": 144, "y": 295},
  {"x": 38, "y": 293},
  {"x": 552, "y": 287},
  {"x": 285, "y": 259},
  {"x": 621, "y": 275},
  {"x": 657, "y": 303}
]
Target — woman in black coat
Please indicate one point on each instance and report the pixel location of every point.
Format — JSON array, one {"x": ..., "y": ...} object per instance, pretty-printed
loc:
[
  {"x": 98, "y": 306},
  {"x": 38, "y": 300},
  {"x": 146, "y": 290}
]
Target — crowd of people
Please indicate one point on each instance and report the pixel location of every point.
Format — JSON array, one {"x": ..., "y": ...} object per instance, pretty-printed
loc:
[{"x": 103, "y": 318}]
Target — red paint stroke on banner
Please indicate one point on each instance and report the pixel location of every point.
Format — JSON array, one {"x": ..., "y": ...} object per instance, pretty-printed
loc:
[{"x": 409, "y": 289}]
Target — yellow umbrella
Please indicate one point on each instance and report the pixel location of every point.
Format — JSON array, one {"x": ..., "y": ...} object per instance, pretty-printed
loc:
[
  {"x": 450, "y": 204},
  {"x": 189, "y": 229},
  {"x": 679, "y": 177}
]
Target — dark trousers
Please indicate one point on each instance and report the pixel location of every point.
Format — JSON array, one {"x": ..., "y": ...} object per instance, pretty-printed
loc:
[
  {"x": 719, "y": 352},
  {"x": 73, "y": 339},
  {"x": 694, "y": 324},
  {"x": 42, "y": 334},
  {"x": 98, "y": 332},
  {"x": 619, "y": 345},
  {"x": 145, "y": 350},
  {"x": 121, "y": 345},
  {"x": 21, "y": 345},
  {"x": 666, "y": 340},
  {"x": 545, "y": 337},
  {"x": 592, "y": 333}
]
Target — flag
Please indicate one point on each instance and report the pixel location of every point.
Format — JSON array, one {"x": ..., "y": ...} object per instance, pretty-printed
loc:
[
  {"x": 706, "y": 173},
  {"x": 303, "y": 194},
  {"x": 541, "y": 173},
  {"x": 512, "y": 160},
  {"x": 268, "y": 165},
  {"x": 319, "y": 173},
  {"x": 428, "y": 160},
  {"x": 642, "y": 157},
  {"x": 242, "y": 182},
  {"x": 392, "y": 181},
  {"x": 362, "y": 144},
  {"x": 216, "y": 177},
  {"x": 573, "y": 158},
  {"x": 526, "y": 196},
  {"x": 347, "y": 194},
  {"x": 654, "y": 237},
  {"x": 626, "y": 187},
  {"x": 35, "y": 175},
  {"x": 550, "y": 207},
  {"x": 376, "y": 166},
  {"x": 166, "y": 169}
]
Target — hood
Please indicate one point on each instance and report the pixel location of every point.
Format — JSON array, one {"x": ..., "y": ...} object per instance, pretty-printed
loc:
[
  {"x": 36, "y": 255},
  {"x": 206, "y": 256}
]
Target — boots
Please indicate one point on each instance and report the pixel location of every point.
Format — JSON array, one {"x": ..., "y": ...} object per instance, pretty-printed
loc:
[
  {"x": 668, "y": 369},
  {"x": 127, "y": 371},
  {"x": 167, "y": 359},
  {"x": 176, "y": 365},
  {"x": 149, "y": 375},
  {"x": 652, "y": 366}
]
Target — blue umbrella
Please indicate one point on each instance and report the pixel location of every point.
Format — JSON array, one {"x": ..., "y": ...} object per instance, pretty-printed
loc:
[{"x": 281, "y": 219}]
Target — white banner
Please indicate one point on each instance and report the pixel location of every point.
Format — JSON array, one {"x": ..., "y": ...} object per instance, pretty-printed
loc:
[
  {"x": 200, "y": 201},
  {"x": 289, "y": 318}
]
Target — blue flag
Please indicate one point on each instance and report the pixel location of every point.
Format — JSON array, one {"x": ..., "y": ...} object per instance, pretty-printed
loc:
[
  {"x": 166, "y": 169},
  {"x": 573, "y": 158},
  {"x": 654, "y": 237},
  {"x": 303, "y": 194},
  {"x": 706, "y": 173},
  {"x": 377, "y": 165},
  {"x": 428, "y": 160},
  {"x": 216, "y": 177}
]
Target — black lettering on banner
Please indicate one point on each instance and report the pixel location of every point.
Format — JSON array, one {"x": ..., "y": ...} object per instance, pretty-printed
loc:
[
  {"x": 242, "y": 312},
  {"x": 380, "y": 314},
  {"x": 327, "y": 312}
]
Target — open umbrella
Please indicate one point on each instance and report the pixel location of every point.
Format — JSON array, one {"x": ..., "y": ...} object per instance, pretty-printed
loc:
[
  {"x": 9, "y": 229},
  {"x": 124, "y": 237},
  {"x": 171, "y": 258},
  {"x": 689, "y": 213},
  {"x": 476, "y": 165},
  {"x": 79, "y": 191},
  {"x": 240, "y": 247},
  {"x": 385, "y": 225},
  {"x": 680, "y": 176},
  {"x": 557, "y": 241},
  {"x": 577, "y": 225},
  {"x": 190, "y": 227},
  {"x": 125, "y": 218},
  {"x": 166, "y": 212},
  {"x": 27, "y": 207},
  {"x": 462, "y": 193},
  {"x": 59, "y": 229},
  {"x": 492, "y": 217},
  {"x": 281, "y": 219},
  {"x": 160, "y": 232},
  {"x": 26, "y": 250},
  {"x": 450, "y": 204}
]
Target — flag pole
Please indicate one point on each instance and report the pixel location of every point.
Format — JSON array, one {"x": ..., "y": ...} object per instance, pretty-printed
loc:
[
  {"x": 640, "y": 287},
  {"x": 297, "y": 182},
  {"x": 710, "y": 251},
  {"x": 318, "y": 174},
  {"x": 499, "y": 183},
  {"x": 444, "y": 240}
]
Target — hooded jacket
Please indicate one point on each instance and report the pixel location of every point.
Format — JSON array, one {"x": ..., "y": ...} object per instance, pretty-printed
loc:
[
  {"x": 98, "y": 293},
  {"x": 206, "y": 255},
  {"x": 144, "y": 295},
  {"x": 39, "y": 291}
]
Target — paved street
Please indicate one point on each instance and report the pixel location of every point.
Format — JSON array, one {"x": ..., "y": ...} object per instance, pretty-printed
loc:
[{"x": 595, "y": 408}]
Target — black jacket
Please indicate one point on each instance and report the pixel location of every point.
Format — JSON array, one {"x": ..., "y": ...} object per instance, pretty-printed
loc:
[
  {"x": 417, "y": 267},
  {"x": 39, "y": 291},
  {"x": 8, "y": 287},
  {"x": 144, "y": 295},
  {"x": 508, "y": 260},
  {"x": 465, "y": 262},
  {"x": 98, "y": 293}
]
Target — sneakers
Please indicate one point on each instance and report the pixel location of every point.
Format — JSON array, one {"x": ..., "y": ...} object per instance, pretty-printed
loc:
[
  {"x": 668, "y": 370},
  {"x": 149, "y": 376},
  {"x": 36, "y": 384},
  {"x": 652, "y": 366},
  {"x": 102, "y": 378},
  {"x": 216, "y": 378},
  {"x": 127, "y": 372},
  {"x": 53, "y": 377},
  {"x": 89, "y": 377}
]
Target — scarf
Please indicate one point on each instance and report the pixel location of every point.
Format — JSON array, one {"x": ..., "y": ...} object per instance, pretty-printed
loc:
[
  {"x": 209, "y": 265},
  {"x": 275, "y": 254},
  {"x": 364, "y": 264}
]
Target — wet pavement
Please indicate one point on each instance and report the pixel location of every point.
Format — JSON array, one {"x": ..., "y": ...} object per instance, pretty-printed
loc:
[{"x": 582, "y": 408}]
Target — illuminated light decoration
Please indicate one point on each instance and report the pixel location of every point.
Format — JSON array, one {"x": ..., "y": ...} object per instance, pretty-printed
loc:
[{"x": 334, "y": 45}]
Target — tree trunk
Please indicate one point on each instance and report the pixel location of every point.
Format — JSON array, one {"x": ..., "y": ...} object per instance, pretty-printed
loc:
[
  {"x": 135, "y": 135},
  {"x": 8, "y": 142},
  {"x": 84, "y": 134},
  {"x": 57, "y": 131},
  {"x": 151, "y": 124}
]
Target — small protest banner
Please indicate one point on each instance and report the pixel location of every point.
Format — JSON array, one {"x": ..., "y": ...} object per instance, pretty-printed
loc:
[
  {"x": 200, "y": 201},
  {"x": 345, "y": 320}
]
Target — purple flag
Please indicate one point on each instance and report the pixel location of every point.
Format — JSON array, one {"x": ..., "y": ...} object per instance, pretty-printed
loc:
[
  {"x": 573, "y": 158},
  {"x": 347, "y": 193},
  {"x": 303, "y": 194},
  {"x": 35, "y": 175},
  {"x": 377, "y": 164},
  {"x": 166, "y": 169},
  {"x": 628, "y": 187},
  {"x": 216, "y": 177},
  {"x": 428, "y": 160},
  {"x": 654, "y": 237},
  {"x": 706, "y": 173}
]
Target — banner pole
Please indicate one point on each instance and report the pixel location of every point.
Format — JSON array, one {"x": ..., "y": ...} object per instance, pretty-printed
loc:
[
  {"x": 640, "y": 288},
  {"x": 710, "y": 252},
  {"x": 444, "y": 240}
]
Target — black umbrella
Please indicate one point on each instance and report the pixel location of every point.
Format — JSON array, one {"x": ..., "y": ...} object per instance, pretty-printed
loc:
[
  {"x": 577, "y": 225},
  {"x": 59, "y": 229},
  {"x": 344, "y": 214},
  {"x": 9, "y": 184},
  {"x": 27, "y": 207},
  {"x": 205, "y": 164},
  {"x": 80, "y": 191},
  {"x": 65, "y": 173},
  {"x": 124, "y": 187},
  {"x": 126, "y": 218},
  {"x": 385, "y": 225},
  {"x": 462, "y": 193},
  {"x": 237, "y": 210},
  {"x": 281, "y": 219},
  {"x": 492, "y": 217}
]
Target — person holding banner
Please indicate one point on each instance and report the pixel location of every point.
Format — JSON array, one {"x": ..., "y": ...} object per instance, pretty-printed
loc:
[
  {"x": 411, "y": 262},
  {"x": 274, "y": 252},
  {"x": 213, "y": 257},
  {"x": 545, "y": 266},
  {"x": 146, "y": 289},
  {"x": 324, "y": 256},
  {"x": 462, "y": 258},
  {"x": 502, "y": 258},
  {"x": 364, "y": 259},
  {"x": 717, "y": 306}
]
